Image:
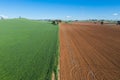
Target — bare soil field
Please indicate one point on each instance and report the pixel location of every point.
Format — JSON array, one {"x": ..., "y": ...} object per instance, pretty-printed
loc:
[{"x": 89, "y": 51}]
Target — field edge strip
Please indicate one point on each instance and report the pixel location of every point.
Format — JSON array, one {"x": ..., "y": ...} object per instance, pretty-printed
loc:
[{"x": 56, "y": 67}]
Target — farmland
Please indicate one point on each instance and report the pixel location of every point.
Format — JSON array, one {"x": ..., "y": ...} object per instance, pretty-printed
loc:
[
  {"x": 89, "y": 51},
  {"x": 28, "y": 49}
]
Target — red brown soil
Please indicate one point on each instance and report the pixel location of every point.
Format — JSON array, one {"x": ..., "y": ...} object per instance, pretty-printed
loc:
[{"x": 89, "y": 51}]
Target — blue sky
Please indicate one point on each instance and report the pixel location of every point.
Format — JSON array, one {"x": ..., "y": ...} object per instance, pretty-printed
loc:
[{"x": 61, "y": 9}]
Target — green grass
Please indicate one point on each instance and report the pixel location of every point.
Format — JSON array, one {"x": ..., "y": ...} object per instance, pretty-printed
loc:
[{"x": 28, "y": 49}]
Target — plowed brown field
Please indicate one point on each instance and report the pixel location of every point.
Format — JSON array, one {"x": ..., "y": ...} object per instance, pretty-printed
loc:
[{"x": 89, "y": 52}]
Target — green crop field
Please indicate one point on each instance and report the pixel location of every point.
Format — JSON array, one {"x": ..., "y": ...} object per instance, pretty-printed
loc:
[{"x": 28, "y": 49}]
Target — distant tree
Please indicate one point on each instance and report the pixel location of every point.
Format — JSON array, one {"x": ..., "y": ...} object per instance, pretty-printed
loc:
[
  {"x": 102, "y": 22},
  {"x": 55, "y": 22},
  {"x": 76, "y": 20},
  {"x": 59, "y": 21},
  {"x": 118, "y": 22}
]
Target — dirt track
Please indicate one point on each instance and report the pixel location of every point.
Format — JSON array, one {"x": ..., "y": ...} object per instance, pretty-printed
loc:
[{"x": 89, "y": 52}]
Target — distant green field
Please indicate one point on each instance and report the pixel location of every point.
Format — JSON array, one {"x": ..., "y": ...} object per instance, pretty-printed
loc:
[{"x": 28, "y": 49}]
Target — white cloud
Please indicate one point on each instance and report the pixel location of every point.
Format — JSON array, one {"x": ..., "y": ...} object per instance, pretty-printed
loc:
[
  {"x": 68, "y": 16},
  {"x": 115, "y": 14},
  {"x": 4, "y": 16}
]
